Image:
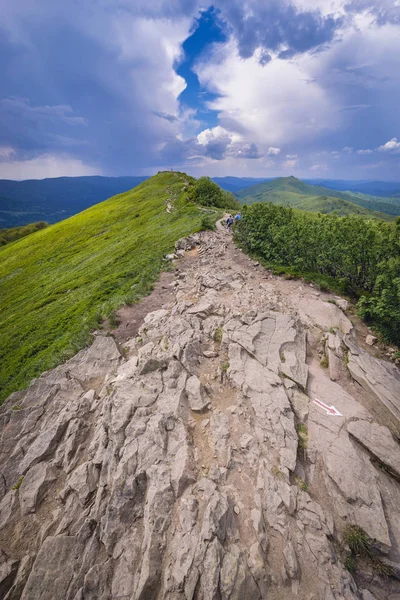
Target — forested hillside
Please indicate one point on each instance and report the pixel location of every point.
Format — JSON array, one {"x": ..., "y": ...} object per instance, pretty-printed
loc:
[
  {"x": 361, "y": 258},
  {"x": 290, "y": 191}
]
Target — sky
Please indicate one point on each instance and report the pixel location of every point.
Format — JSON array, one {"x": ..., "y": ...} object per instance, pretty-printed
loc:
[{"x": 259, "y": 88}]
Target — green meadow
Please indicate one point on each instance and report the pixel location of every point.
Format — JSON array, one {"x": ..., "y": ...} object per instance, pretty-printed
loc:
[{"x": 58, "y": 284}]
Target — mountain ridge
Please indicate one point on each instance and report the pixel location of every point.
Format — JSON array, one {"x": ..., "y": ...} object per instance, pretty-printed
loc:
[{"x": 293, "y": 192}]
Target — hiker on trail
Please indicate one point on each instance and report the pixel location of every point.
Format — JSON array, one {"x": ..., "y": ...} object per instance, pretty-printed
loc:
[
  {"x": 229, "y": 223},
  {"x": 237, "y": 218}
]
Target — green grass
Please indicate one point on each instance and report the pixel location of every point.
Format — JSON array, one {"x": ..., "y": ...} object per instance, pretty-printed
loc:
[
  {"x": 358, "y": 541},
  {"x": 59, "y": 283},
  {"x": 302, "y": 434},
  {"x": 302, "y": 484}
]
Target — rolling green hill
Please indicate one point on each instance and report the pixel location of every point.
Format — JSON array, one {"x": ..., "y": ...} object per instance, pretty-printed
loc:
[
  {"x": 57, "y": 284},
  {"x": 290, "y": 191}
]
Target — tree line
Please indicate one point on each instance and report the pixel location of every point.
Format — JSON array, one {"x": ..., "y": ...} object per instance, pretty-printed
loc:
[{"x": 361, "y": 257}]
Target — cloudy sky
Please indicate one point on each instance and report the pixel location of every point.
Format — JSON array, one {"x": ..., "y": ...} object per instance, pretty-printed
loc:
[{"x": 237, "y": 87}]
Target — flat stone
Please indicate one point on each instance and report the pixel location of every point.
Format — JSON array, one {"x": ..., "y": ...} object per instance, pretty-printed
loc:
[
  {"x": 378, "y": 377},
  {"x": 379, "y": 442},
  {"x": 53, "y": 569},
  {"x": 34, "y": 486},
  {"x": 210, "y": 354},
  {"x": 197, "y": 397},
  {"x": 371, "y": 340}
]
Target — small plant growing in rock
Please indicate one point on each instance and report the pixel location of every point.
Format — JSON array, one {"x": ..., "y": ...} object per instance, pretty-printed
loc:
[
  {"x": 218, "y": 333},
  {"x": 302, "y": 434},
  {"x": 358, "y": 541},
  {"x": 302, "y": 484},
  {"x": 113, "y": 320},
  {"x": 350, "y": 563},
  {"x": 282, "y": 356},
  {"x": 382, "y": 569},
  {"x": 224, "y": 367},
  {"x": 324, "y": 362},
  {"x": 18, "y": 484},
  {"x": 332, "y": 330}
]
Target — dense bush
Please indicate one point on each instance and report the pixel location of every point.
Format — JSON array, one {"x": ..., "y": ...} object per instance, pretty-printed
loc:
[
  {"x": 362, "y": 256},
  {"x": 207, "y": 193},
  {"x": 15, "y": 233}
]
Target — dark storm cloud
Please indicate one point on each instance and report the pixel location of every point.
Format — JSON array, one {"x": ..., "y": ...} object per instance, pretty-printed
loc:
[
  {"x": 166, "y": 116},
  {"x": 277, "y": 26}
]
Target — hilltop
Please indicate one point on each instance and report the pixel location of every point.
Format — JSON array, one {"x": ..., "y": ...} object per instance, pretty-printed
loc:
[
  {"x": 59, "y": 283},
  {"x": 290, "y": 191}
]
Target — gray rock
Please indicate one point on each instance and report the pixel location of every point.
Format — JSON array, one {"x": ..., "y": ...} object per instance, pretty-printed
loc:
[
  {"x": 197, "y": 397},
  {"x": 202, "y": 309},
  {"x": 334, "y": 365},
  {"x": 379, "y": 442},
  {"x": 54, "y": 569},
  {"x": 379, "y": 378},
  {"x": 34, "y": 487},
  {"x": 8, "y": 571},
  {"x": 210, "y": 353},
  {"x": 371, "y": 340},
  {"x": 83, "y": 481},
  {"x": 363, "y": 503}
]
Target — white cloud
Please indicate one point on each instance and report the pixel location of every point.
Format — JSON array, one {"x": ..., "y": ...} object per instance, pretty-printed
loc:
[
  {"x": 6, "y": 152},
  {"x": 291, "y": 156},
  {"x": 289, "y": 164},
  {"x": 348, "y": 149},
  {"x": 273, "y": 151},
  {"x": 367, "y": 151},
  {"x": 259, "y": 101},
  {"x": 321, "y": 167},
  {"x": 392, "y": 146},
  {"x": 45, "y": 166}
]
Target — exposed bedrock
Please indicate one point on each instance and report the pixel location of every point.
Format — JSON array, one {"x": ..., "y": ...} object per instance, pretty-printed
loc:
[{"x": 211, "y": 458}]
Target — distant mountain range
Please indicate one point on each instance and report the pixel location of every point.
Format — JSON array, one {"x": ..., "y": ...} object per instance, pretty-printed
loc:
[
  {"x": 52, "y": 200},
  {"x": 290, "y": 191}
]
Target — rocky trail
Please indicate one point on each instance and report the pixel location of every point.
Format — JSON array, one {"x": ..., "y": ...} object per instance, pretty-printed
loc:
[{"x": 218, "y": 447}]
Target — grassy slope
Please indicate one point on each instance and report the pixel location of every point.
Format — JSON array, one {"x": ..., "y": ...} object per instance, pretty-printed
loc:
[
  {"x": 290, "y": 191},
  {"x": 57, "y": 284}
]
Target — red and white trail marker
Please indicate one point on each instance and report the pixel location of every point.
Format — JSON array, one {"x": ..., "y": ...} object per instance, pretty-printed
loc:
[{"x": 331, "y": 410}]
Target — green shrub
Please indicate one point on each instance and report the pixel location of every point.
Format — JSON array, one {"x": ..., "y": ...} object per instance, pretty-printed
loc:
[
  {"x": 207, "y": 193},
  {"x": 208, "y": 222},
  {"x": 348, "y": 254}
]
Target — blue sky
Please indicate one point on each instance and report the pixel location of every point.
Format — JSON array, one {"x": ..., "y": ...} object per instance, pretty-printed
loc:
[{"x": 235, "y": 87}]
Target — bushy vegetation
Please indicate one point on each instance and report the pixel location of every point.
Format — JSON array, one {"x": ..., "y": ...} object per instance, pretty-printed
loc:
[
  {"x": 207, "y": 193},
  {"x": 361, "y": 257},
  {"x": 15, "y": 233},
  {"x": 60, "y": 283}
]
